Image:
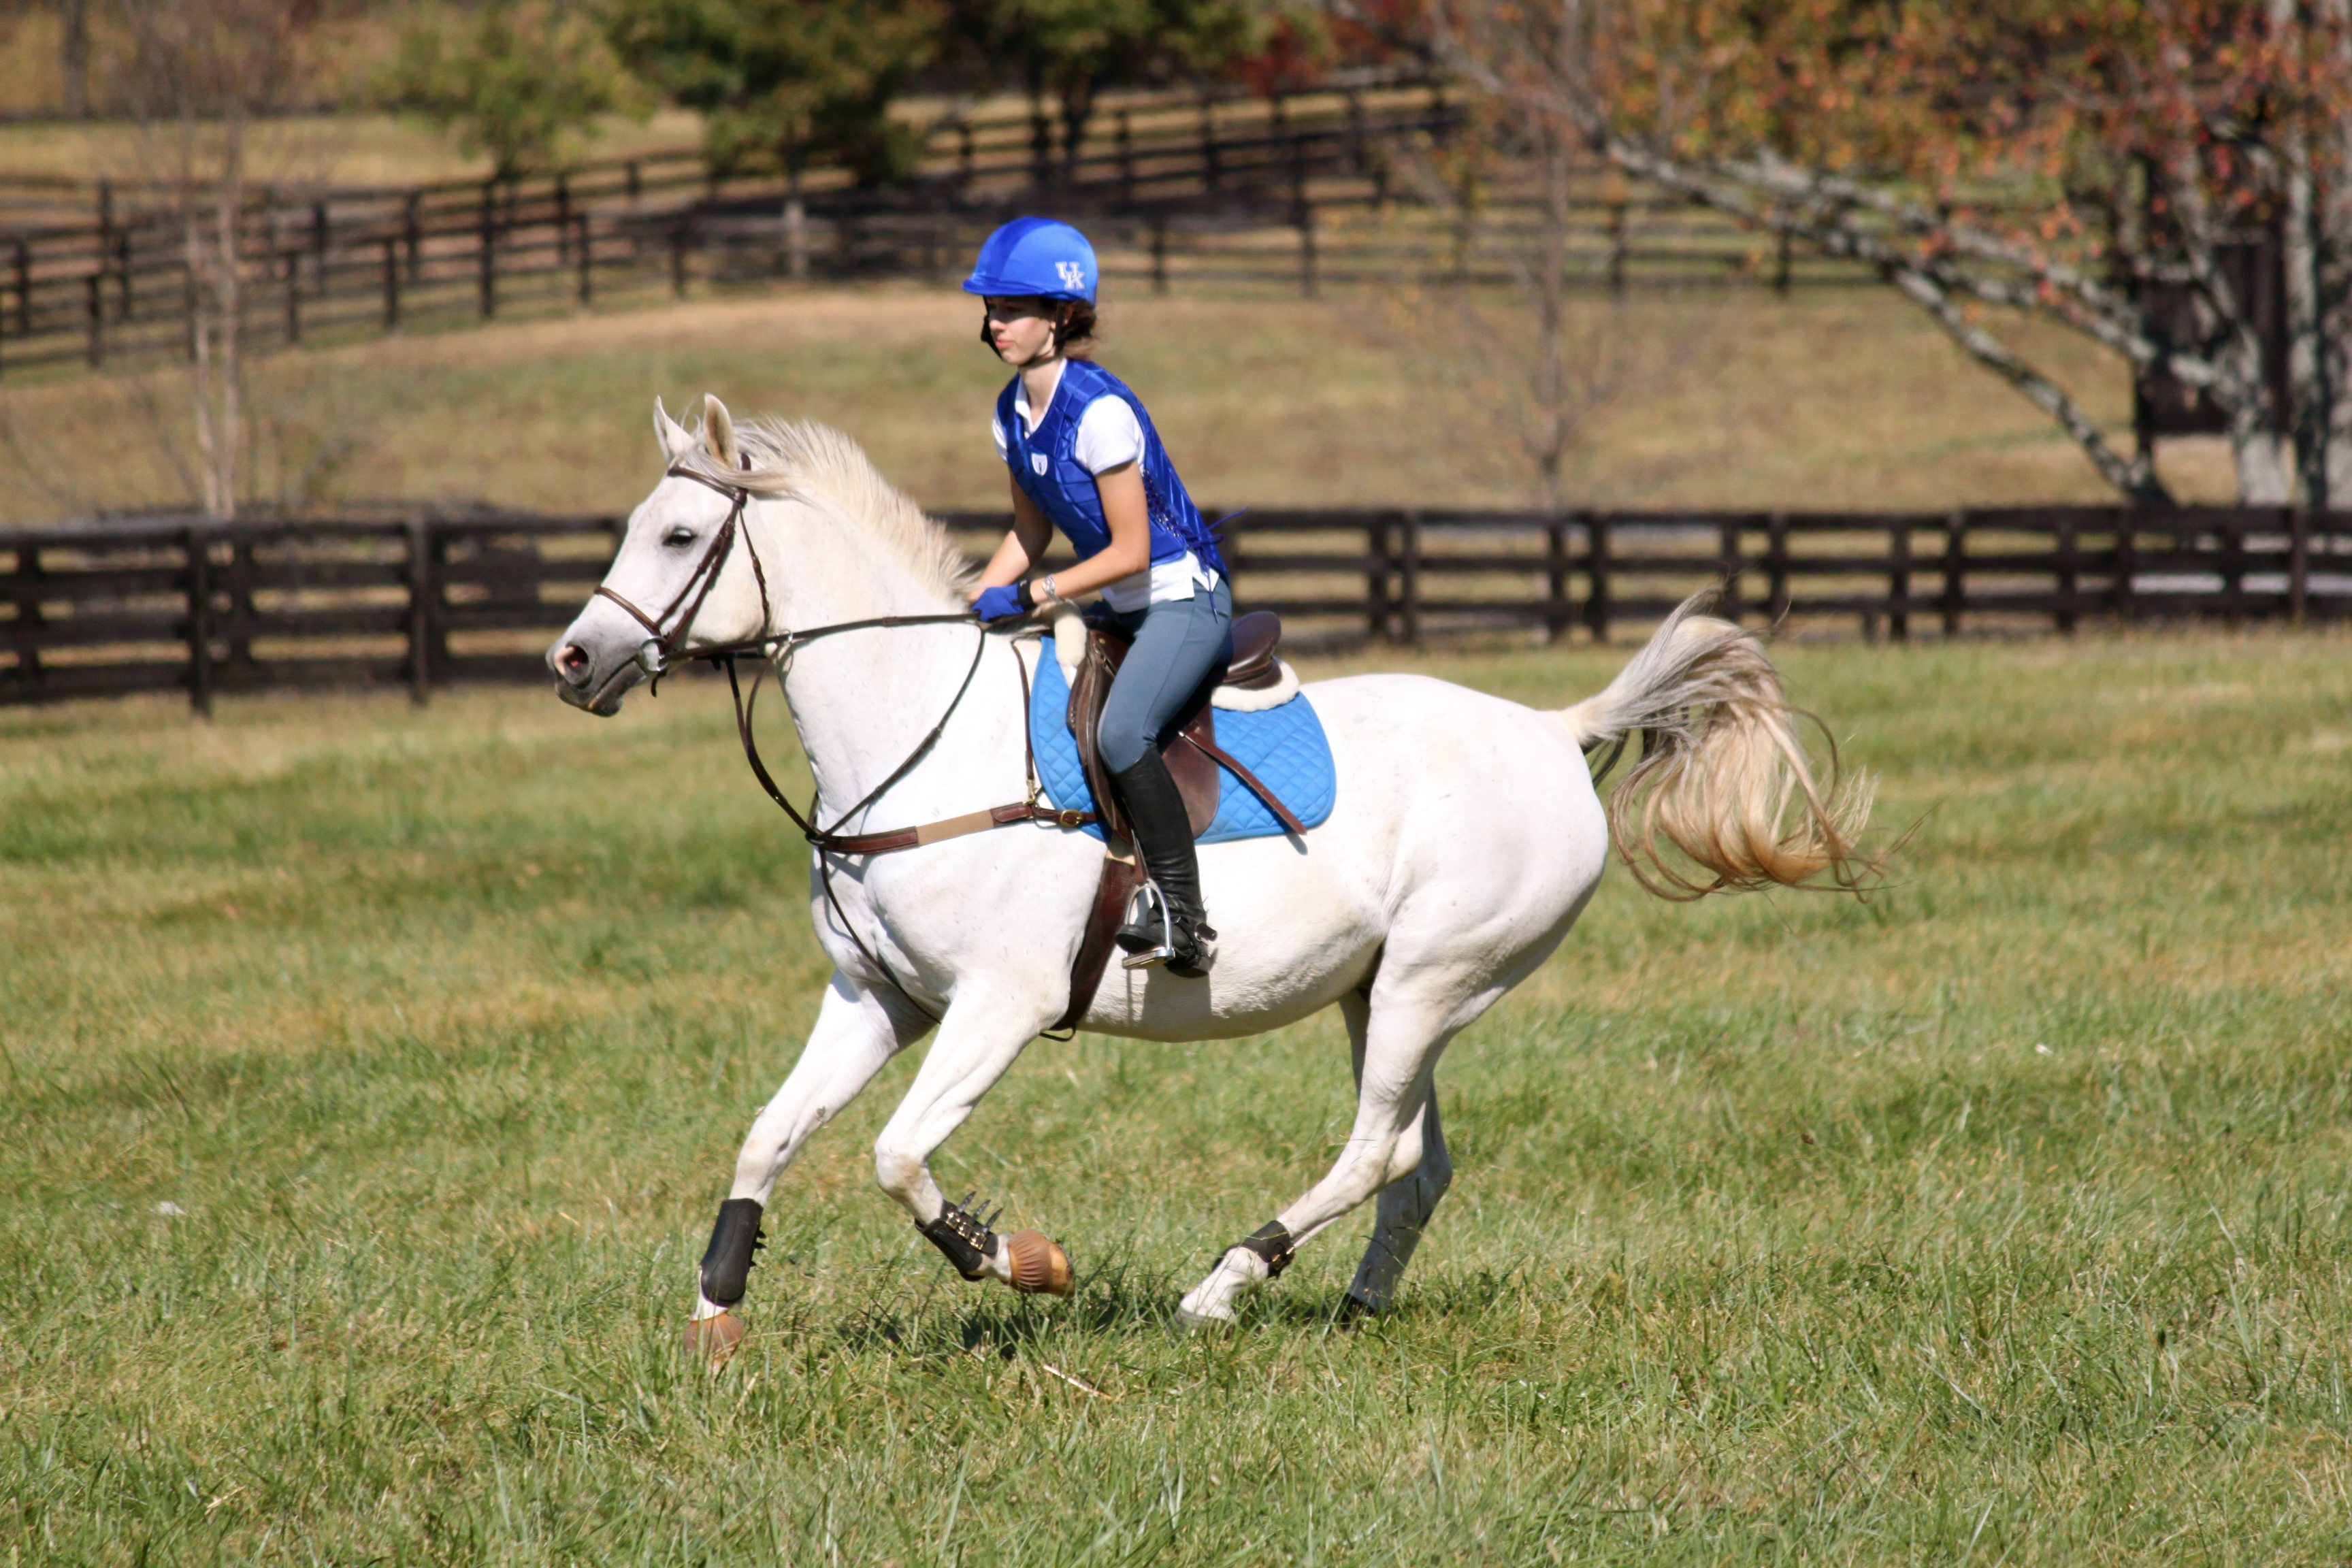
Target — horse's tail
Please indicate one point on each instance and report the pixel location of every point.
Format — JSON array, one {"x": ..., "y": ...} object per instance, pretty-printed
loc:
[{"x": 1723, "y": 776}]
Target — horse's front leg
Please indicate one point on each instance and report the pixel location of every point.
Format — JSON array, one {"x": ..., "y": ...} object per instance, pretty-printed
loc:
[
  {"x": 857, "y": 1030},
  {"x": 981, "y": 1035}
]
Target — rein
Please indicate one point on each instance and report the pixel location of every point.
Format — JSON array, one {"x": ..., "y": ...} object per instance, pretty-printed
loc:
[{"x": 662, "y": 652}]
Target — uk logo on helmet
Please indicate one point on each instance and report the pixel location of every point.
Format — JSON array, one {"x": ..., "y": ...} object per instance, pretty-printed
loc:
[{"x": 1073, "y": 273}]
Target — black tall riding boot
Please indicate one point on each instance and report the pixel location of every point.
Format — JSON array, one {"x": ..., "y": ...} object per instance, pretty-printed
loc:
[{"x": 1163, "y": 838}]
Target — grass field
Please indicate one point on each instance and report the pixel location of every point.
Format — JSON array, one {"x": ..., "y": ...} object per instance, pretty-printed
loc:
[
  {"x": 371, "y": 1074},
  {"x": 1835, "y": 398}
]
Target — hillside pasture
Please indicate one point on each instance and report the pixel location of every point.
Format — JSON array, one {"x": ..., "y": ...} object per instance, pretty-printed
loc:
[
  {"x": 372, "y": 1073},
  {"x": 1831, "y": 398}
]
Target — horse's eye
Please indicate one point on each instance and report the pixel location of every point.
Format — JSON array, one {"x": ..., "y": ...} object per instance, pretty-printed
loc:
[{"x": 676, "y": 537}]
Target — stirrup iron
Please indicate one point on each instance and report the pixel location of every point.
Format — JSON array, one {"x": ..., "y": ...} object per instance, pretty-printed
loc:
[{"x": 1147, "y": 912}]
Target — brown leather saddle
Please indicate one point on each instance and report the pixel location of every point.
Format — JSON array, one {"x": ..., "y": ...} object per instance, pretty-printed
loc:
[
  {"x": 1193, "y": 759},
  {"x": 1190, "y": 752}
]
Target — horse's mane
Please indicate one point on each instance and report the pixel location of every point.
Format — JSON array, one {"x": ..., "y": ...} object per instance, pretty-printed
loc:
[{"x": 806, "y": 462}]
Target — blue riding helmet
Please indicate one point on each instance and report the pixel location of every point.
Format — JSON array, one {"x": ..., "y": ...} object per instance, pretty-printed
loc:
[{"x": 1034, "y": 255}]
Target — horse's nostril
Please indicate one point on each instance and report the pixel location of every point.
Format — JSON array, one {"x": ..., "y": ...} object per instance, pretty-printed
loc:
[{"x": 573, "y": 660}]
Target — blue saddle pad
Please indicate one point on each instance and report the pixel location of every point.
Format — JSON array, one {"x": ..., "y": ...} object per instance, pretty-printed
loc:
[{"x": 1284, "y": 746}]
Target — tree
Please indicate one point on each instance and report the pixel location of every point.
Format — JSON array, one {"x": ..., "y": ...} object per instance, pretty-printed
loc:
[
  {"x": 1073, "y": 50},
  {"x": 2083, "y": 160},
  {"x": 515, "y": 80},
  {"x": 787, "y": 78},
  {"x": 73, "y": 56},
  {"x": 194, "y": 77}
]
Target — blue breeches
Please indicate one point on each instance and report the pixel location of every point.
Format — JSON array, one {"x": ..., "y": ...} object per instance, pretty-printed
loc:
[{"x": 1176, "y": 644}]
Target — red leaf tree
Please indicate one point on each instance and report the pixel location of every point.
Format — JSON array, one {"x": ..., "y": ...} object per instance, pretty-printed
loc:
[{"x": 2170, "y": 178}]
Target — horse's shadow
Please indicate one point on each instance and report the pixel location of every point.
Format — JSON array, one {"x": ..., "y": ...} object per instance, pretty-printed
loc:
[{"x": 1122, "y": 1297}]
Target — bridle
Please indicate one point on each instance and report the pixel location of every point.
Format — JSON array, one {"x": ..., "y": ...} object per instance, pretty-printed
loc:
[{"x": 659, "y": 654}]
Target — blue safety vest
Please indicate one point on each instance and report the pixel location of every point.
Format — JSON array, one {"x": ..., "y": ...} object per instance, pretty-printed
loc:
[{"x": 1046, "y": 466}]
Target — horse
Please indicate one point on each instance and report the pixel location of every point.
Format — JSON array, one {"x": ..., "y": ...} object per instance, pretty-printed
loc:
[{"x": 1467, "y": 835}]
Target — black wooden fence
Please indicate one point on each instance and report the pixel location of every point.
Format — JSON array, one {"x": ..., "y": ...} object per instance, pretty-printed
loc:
[
  {"x": 1176, "y": 190},
  {"x": 423, "y": 599}
]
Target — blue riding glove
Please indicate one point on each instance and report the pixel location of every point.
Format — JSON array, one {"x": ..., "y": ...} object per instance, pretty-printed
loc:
[{"x": 995, "y": 603}]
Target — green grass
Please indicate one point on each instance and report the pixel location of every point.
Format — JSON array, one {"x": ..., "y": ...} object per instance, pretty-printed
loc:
[{"x": 2003, "y": 1220}]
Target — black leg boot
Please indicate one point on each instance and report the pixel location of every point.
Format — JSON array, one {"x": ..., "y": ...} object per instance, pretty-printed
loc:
[{"x": 1163, "y": 838}]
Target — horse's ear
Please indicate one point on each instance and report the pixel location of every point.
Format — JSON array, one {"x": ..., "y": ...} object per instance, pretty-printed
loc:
[
  {"x": 719, "y": 432},
  {"x": 674, "y": 439}
]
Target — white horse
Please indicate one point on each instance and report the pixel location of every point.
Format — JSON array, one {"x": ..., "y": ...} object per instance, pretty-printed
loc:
[{"x": 1467, "y": 837}]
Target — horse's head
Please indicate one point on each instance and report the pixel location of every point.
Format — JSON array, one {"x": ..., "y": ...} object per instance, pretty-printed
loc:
[{"x": 684, "y": 578}]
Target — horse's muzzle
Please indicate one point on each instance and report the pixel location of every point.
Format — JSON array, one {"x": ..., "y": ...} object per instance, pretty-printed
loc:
[{"x": 578, "y": 682}]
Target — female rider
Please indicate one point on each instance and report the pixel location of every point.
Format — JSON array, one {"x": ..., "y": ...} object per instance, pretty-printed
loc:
[{"x": 1083, "y": 457}]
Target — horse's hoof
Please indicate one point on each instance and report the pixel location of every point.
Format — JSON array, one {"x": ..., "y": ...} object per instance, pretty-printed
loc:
[
  {"x": 1040, "y": 1267},
  {"x": 713, "y": 1340}
]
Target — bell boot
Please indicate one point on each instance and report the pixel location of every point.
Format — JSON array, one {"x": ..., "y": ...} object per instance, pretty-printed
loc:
[{"x": 1177, "y": 933}]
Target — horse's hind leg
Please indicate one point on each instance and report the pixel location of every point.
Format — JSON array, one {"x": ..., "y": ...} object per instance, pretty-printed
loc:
[
  {"x": 1402, "y": 1214},
  {"x": 856, "y": 1032},
  {"x": 1403, "y": 1207},
  {"x": 1406, "y": 1027}
]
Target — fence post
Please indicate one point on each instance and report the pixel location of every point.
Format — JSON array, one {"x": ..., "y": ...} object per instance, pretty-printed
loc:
[
  {"x": 963, "y": 152},
  {"x": 1210, "y": 173},
  {"x": 2233, "y": 568},
  {"x": 1956, "y": 549},
  {"x": 2068, "y": 583},
  {"x": 678, "y": 256},
  {"x": 122, "y": 287},
  {"x": 1409, "y": 579},
  {"x": 2298, "y": 565},
  {"x": 94, "y": 308},
  {"x": 562, "y": 219},
  {"x": 239, "y": 588},
  {"x": 1898, "y": 582},
  {"x": 319, "y": 249},
  {"x": 200, "y": 621},
  {"x": 1376, "y": 579},
  {"x": 1556, "y": 610},
  {"x": 412, "y": 234},
  {"x": 293, "y": 296},
  {"x": 632, "y": 181},
  {"x": 391, "y": 285},
  {"x": 1775, "y": 565},
  {"x": 1596, "y": 565},
  {"x": 29, "y": 617},
  {"x": 2119, "y": 589},
  {"x": 422, "y": 587},
  {"x": 587, "y": 263},
  {"x": 104, "y": 243},
  {"x": 1617, "y": 246},
  {"x": 487, "y": 283},
  {"x": 1357, "y": 156},
  {"x": 1730, "y": 562},
  {"x": 1304, "y": 215}
]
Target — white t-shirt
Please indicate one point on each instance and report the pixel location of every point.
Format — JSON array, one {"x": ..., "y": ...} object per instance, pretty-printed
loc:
[{"x": 1109, "y": 434}]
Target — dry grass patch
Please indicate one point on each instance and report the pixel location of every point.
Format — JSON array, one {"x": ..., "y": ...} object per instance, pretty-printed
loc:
[{"x": 1827, "y": 399}]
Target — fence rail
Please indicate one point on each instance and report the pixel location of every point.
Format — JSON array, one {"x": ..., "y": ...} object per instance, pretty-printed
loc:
[
  {"x": 1300, "y": 189},
  {"x": 426, "y": 599}
]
